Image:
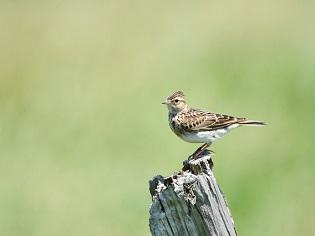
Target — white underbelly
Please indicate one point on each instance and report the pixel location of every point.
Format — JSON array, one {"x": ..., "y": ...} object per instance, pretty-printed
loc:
[{"x": 205, "y": 136}]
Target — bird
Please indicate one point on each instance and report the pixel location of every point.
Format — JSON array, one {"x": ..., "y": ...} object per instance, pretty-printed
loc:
[{"x": 198, "y": 126}]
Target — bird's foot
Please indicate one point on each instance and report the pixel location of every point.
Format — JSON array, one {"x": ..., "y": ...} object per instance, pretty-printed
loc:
[{"x": 200, "y": 154}]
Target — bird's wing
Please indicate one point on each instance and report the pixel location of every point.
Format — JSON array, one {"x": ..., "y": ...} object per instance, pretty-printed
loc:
[{"x": 197, "y": 120}]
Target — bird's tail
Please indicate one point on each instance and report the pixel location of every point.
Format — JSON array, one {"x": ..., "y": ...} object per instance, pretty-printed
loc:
[{"x": 252, "y": 122}]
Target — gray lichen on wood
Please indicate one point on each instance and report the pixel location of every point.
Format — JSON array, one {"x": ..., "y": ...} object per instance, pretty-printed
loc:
[{"x": 189, "y": 202}]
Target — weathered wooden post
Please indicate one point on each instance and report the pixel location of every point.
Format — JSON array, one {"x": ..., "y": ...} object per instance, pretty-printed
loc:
[{"x": 190, "y": 202}]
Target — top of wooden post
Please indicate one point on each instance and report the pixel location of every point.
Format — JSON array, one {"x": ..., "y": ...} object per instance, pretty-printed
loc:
[{"x": 190, "y": 202}]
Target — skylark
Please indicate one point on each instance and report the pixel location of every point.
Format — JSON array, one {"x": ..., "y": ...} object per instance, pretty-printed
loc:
[{"x": 197, "y": 126}]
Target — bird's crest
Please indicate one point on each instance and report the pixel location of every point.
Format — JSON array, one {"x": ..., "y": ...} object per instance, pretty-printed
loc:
[{"x": 176, "y": 94}]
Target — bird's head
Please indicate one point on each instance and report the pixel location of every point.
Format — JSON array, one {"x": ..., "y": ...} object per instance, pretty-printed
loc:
[{"x": 176, "y": 102}]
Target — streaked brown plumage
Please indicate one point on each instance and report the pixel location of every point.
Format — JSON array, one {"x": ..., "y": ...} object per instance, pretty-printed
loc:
[{"x": 197, "y": 126}]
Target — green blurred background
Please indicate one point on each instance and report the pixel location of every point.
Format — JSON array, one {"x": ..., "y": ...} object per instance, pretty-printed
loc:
[{"x": 82, "y": 128}]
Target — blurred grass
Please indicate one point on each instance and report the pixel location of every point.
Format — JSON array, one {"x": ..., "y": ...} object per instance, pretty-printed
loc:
[{"x": 76, "y": 156}]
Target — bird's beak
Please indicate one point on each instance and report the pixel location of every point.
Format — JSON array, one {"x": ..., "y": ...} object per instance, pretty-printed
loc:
[{"x": 165, "y": 102}]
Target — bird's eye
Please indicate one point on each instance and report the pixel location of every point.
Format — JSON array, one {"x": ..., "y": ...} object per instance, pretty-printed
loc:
[{"x": 176, "y": 100}]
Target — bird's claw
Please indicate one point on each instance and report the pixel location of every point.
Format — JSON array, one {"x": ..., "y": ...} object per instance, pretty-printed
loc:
[{"x": 195, "y": 156}]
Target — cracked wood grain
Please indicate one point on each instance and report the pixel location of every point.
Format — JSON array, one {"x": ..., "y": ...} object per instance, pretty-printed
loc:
[{"x": 190, "y": 203}]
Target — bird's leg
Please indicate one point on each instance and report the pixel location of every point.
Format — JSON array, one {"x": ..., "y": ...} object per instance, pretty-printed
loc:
[{"x": 198, "y": 151}]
